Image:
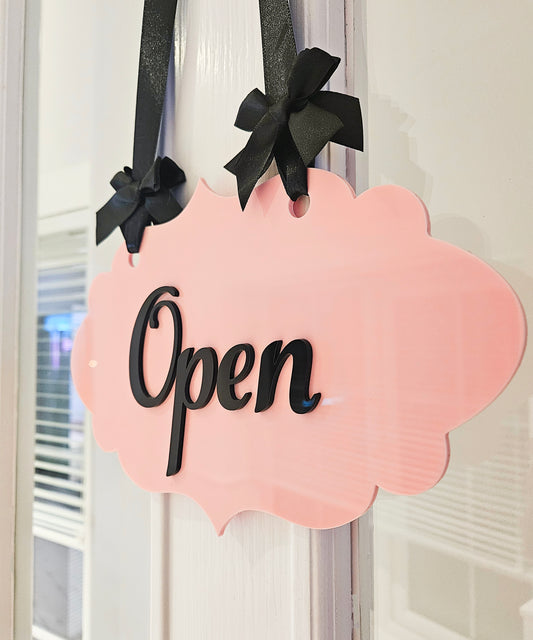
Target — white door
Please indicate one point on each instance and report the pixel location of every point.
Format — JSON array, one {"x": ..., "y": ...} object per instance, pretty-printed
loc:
[
  {"x": 446, "y": 101},
  {"x": 153, "y": 564}
]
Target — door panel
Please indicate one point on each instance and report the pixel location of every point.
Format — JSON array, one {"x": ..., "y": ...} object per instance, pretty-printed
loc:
[
  {"x": 257, "y": 579},
  {"x": 158, "y": 568}
]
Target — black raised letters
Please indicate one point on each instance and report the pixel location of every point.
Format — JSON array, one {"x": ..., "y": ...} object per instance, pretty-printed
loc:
[
  {"x": 149, "y": 313},
  {"x": 227, "y": 379},
  {"x": 272, "y": 362},
  {"x": 187, "y": 363},
  {"x": 223, "y": 377}
]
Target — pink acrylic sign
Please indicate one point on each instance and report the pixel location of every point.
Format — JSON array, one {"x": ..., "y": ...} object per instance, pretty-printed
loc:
[{"x": 410, "y": 337}]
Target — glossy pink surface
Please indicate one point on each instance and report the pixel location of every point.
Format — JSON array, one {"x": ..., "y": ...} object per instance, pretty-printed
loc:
[{"x": 411, "y": 337}]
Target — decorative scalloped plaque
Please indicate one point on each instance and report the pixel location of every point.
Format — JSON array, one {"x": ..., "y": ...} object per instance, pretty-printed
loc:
[{"x": 293, "y": 365}]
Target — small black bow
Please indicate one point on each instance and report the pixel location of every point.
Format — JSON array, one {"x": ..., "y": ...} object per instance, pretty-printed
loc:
[
  {"x": 294, "y": 129},
  {"x": 149, "y": 198}
]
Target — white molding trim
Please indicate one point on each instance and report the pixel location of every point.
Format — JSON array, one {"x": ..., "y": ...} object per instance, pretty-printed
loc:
[
  {"x": 357, "y": 175},
  {"x": 159, "y": 576},
  {"x": 12, "y": 15},
  {"x": 363, "y": 576},
  {"x": 42, "y": 634},
  {"x": 335, "y": 570},
  {"x": 25, "y": 22}
]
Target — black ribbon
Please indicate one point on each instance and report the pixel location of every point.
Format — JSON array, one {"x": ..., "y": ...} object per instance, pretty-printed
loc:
[
  {"x": 143, "y": 195},
  {"x": 295, "y": 119},
  {"x": 150, "y": 199}
]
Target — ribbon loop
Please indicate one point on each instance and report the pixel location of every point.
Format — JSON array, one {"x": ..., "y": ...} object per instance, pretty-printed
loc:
[
  {"x": 121, "y": 179},
  {"x": 311, "y": 70},
  {"x": 252, "y": 109}
]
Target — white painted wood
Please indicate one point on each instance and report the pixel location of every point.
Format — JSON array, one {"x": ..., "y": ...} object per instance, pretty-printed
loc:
[
  {"x": 159, "y": 582},
  {"x": 265, "y": 578},
  {"x": 254, "y": 580},
  {"x": 327, "y": 25},
  {"x": 42, "y": 634},
  {"x": 27, "y": 328},
  {"x": 363, "y": 577},
  {"x": 15, "y": 443},
  {"x": 357, "y": 85},
  {"x": 526, "y": 611},
  {"x": 331, "y": 583},
  {"x": 251, "y": 582},
  {"x": 220, "y": 63},
  {"x": 357, "y": 175},
  {"x": 10, "y": 184}
]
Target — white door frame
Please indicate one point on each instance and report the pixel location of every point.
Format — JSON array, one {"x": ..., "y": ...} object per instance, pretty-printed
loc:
[
  {"x": 11, "y": 44},
  {"x": 16, "y": 443}
]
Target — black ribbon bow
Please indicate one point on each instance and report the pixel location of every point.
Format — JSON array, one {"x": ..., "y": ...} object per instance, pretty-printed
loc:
[
  {"x": 143, "y": 193},
  {"x": 295, "y": 128},
  {"x": 138, "y": 203}
]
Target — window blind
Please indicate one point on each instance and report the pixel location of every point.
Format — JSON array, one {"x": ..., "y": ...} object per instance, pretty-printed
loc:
[
  {"x": 477, "y": 512},
  {"x": 59, "y": 474}
]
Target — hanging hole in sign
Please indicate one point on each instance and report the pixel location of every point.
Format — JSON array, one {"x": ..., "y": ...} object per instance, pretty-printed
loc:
[
  {"x": 134, "y": 259},
  {"x": 300, "y": 207}
]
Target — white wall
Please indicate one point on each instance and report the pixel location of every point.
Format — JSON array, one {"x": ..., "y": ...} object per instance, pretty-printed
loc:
[
  {"x": 449, "y": 117},
  {"x": 65, "y": 105}
]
